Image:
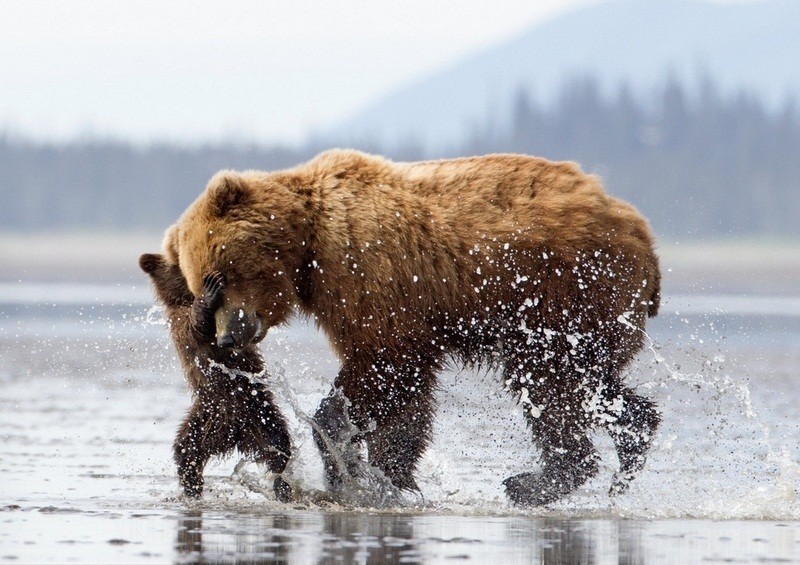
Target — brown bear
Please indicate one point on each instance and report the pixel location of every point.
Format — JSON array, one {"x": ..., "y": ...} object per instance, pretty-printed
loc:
[
  {"x": 508, "y": 260},
  {"x": 231, "y": 410}
]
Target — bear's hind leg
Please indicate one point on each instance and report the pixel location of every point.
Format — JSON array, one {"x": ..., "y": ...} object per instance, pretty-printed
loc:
[
  {"x": 632, "y": 432},
  {"x": 552, "y": 406},
  {"x": 566, "y": 465}
]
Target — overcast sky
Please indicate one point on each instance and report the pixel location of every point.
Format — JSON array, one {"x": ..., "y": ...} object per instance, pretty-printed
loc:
[{"x": 254, "y": 70}]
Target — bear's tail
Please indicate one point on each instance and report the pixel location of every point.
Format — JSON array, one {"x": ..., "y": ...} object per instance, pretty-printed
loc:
[{"x": 655, "y": 292}]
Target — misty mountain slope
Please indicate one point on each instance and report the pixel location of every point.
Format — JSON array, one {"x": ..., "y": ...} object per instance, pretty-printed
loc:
[{"x": 755, "y": 46}]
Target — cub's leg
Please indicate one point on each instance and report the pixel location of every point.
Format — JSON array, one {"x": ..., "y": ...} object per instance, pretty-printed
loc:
[
  {"x": 204, "y": 432},
  {"x": 199, "y": 438},
  {"x": 204, "y": 306},
  {"x": 263, "y": 434}
]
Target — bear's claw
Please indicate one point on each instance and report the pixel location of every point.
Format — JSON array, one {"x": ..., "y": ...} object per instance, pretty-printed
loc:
[{"x": 213, "y": 285}]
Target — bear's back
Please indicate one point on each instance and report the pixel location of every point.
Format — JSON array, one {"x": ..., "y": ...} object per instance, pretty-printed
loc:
[
  {"x": 513, "y": 193},
  {"x": 497, "y": 178},
  {"x": 505, "y": 196}
]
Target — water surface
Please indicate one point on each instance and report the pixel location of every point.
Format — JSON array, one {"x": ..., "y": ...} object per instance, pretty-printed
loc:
[{"x": 91, "y": 394}]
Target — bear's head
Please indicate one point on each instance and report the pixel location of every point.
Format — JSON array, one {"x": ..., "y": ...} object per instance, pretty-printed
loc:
[{"x": 252, "y": 228}]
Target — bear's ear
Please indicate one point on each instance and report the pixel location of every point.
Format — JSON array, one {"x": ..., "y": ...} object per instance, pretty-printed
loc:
[
  {"x": 226, "y": 191},
  {"x": 170, "y": 244}
]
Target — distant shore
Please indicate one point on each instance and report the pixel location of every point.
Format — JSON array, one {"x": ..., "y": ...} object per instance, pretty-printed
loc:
[
  {"x": 736, "y": 267},
  {"x": 75, "y": 257}
]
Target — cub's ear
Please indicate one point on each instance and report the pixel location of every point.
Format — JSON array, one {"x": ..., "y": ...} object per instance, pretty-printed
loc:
[
  {"x": 226, "y": 191},
  {"x": 151, "y": 262}
]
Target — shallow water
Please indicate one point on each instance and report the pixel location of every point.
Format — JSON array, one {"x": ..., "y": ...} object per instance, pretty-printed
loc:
[{"x": 91, "y": 394}]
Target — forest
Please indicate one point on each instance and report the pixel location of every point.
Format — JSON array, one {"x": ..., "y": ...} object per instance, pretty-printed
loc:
[{"x": 697, "y": 163}]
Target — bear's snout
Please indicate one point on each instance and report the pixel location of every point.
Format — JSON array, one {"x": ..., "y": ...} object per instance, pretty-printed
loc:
[
  {"x": 235, "y": 327},
  {"x": 225, "y": 341}
]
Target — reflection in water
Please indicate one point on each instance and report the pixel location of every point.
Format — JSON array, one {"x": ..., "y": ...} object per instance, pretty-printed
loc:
[
  {"x": 189, "y": 542},
  {"x": 241, "y": 538},
  {"x": 365, "y": 538},
  {"x": 348, "y": 537},
  {"x": 560, "y": 540}
]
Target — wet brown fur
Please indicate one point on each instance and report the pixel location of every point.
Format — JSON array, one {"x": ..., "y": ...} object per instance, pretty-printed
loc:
[
  {"x": 228, "y": 412},
  {"x": 504, "y": 258}
]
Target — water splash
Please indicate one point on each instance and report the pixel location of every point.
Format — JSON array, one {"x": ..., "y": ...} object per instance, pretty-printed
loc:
[
  {"x": 367, "y": 487},
  {"x": 727, "y": 448},
  {"x": 155, "y": 316},
  {"x": 724, "y": 462}
]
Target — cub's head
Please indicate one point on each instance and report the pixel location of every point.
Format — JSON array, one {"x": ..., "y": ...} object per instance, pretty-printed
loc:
[{"x": 250, "y": 228}]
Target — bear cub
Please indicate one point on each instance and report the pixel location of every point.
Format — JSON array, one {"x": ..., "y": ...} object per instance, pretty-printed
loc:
[{"x": 230, "y": 410}]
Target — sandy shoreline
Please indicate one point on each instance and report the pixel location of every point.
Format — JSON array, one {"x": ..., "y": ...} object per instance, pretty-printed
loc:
[{"x": 760, "y": 268}]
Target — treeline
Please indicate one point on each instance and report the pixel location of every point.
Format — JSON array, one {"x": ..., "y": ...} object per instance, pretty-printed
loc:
[
  {"x": 111, "y": 185},
  {"x": 700, "y": 165}
]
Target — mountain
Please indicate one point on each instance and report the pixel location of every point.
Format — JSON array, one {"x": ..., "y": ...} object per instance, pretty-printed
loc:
[{"x": 753, "y": 46}]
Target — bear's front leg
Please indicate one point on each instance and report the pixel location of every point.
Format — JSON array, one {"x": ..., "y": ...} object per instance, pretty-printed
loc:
[
  {"x": 336, "y": 437},
  {"x": 402, "y": 436},
  {"x": 390, "y": 405}
]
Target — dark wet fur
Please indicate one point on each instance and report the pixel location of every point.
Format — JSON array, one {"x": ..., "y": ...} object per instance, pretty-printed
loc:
[
  {"x": 228, "y": 412},
  {"x": 550, "y": 371}
]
